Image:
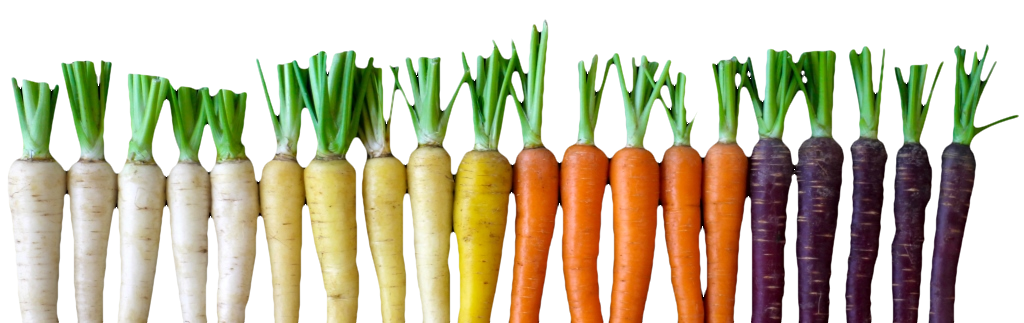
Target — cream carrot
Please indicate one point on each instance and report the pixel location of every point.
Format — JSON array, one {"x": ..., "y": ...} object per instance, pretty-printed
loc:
[
  {"x": 282, "y": 195},
  {"x": 635, "y": 184},
  {"x": 92, "y": 186},
  {"x": 36, "y": 185}
]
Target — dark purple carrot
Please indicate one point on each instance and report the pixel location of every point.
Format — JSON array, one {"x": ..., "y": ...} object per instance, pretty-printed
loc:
[
  {"x": 868, "y": 155},
  {"x": 819, "y": 176},
  {"x": 913, "y": 190},
  {"x": 771, "y": 173},
  {"x": 955, "y": 188}
]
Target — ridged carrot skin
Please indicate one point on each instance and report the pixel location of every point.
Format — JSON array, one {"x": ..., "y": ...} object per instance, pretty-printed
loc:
[
  {"x": 635, "y": 180},
  {"x": 819, "y": 178},
  {"x": 535, "y": 184},
  {"x": 956, "y": 186},
  {"x": 913, "y": 191},
  {"x": 869, "y": 158},
  {"x": 584, "y": 175},
  {"x": 771, "y": 174},
  {"x": 681, "y": 178},
  {"x": 725, "y": 192}
]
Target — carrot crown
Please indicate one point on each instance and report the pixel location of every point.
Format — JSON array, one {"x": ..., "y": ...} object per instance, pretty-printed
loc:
[
  {"x": 375, "y": 131},
  {"x": 590, "y": 100},
  {"x": 287, "y": 123},
  {"x": 869, "y": 100},
  {"x": 147, "y": 95},
  {"x": 489, "y": 94},
  {"x": 819, "y": 68},
  {"x": 968, "y": 93},
  {"x": 188, "y": 120},
  {"x": 533, "y": 88},
  {"x": 36, "y": 103},
  {"x": 728, "y": 97},
  {"x": 638, "y": 103},
  {"x": 226, "y": 114},
  {"x": 911, "y": 93},
  {"x": 330, "y": 96},
  {"x": 429, "y": 121},
  {"x": 677, "y": 113},
  {"x": 783, "y": 83},
  {"x": 88, "y": 99}
]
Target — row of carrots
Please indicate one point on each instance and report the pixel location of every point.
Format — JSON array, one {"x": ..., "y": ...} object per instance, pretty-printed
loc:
[{"x": 346, "y": 101}]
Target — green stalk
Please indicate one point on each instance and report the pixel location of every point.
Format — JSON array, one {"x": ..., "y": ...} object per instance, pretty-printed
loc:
[
  {"x": 677, "y": 113},
  {"x": 88, "y": 99},
  {"x": 728, "y": 97},
  {"x": 533, "y": 89},
  {"x": 911, "y": 93},
  {"x": 147, "y": 95},
  {"x": 968, "y": 93},
  {"x": 590, "y": 100},
  {"x": 783, "y": 83},
  {"x": 819, "y": 68},
  {"x": 869, "y": 100},
  {"x": 188, "y": 121},
  {"x": 429, "y": 121},
  {"x": 375, "y": 130},
  {"x": 287, "y": 123},
  {"x": 226, "y": 112},
  {"x": 489, "y": 91},
  {"x": 36, "y": 104},
  {"x": 638, "y": 103},
  {"x": 329, "y": 97}
]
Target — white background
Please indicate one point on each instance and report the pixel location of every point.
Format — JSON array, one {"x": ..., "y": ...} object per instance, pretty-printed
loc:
[{"x": 216, "y": 45}]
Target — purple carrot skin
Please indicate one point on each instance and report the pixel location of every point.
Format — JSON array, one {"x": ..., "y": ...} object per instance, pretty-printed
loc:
[{"x": 913, "y": 190}]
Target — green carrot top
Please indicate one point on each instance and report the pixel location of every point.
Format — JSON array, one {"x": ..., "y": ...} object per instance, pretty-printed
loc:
[
  {"x": 640, "y": 100},
  {"x": 869, "y": 100},
  {"x": 728, "y": 97},
  {"x": 783, "y": 83},
  {"x": 88, "y": 99},
  {"x": 489, "y": 91},
  {"x": 147, "y": 95},
  {"x": 330, "y": 96},
  {"x": 287, "y": 123},
  {"x": 590, "y": 100},
  {"x": 968, "y": 93},
  {"x": 226, "y": 114},
  {"x": 911, "y": 93},
  {"x": 375, "y": 130},
  {"x": 677, "y": 113},
  {"x": 429, "y": 121},
  {"x": 819, "y": 68},
  {"x": 188, "y": 120},
  {"x": 533, "y": 89},
  {"x": 36, "y": 103}
]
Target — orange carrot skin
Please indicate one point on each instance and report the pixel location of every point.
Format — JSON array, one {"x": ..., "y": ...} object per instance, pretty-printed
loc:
[
  {"x": 535, "y": 184},
  {"x": 584, "y": 176},
  {"x": 681, "y": 177},
  {"x": 635, "y": 179},
  {"x": 725, "y": 192}
]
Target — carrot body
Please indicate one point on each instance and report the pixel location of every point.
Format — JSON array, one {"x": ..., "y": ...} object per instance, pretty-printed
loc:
[
  {"x": 913, "y": 191},
  {"x": 235, "y": 205},
  {"x": 584, "y": 175},
  {"x": 36, "y": 189},
  {"x": 384, "y": 187},
  {"x": 188, "y": 203},
  {"x": 282, "y": 195},
  {"x": 681, "y": 177},
  {"x": 535, "y": 184},
  {"x": 431, "y": 190},
  {"x": 635, "y": 191},
  {"x": 819, "y": 178},
  {"x": 955, "y": 188},
  {"x": 92, "y": 188},
  {"x": 141, "y": 198},
  {"x": 868, "y": 156},
  {"x": 771, "y": 175},
  {"x": 725, "y": 191},
  {"x": 331, "y": 197}
]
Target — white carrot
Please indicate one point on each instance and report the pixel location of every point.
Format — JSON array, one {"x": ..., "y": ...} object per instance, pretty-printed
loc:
[
  {"x": 140, "y": 198},
  {"x": 282, "y": 195},
  {"x": 188, "y": 200},
  {"x": 92, "y": 186},
  {"x": 36, "y": 184},
  {"x": 235, "y": 204}
]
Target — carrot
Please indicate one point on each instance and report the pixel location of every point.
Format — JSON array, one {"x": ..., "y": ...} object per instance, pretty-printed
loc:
[
  {"x": 724, "y": 192},
  {"x": 958, "y": 166},
  {"x": 535, "y": 185},
  {"x": 771, "y": 174},
  {"x": 36, "y": 185},
  {"x": 584, "y": 174},
  {"x": 635, "y": 185},
  {"x": 681, "y": 172},
  {"x": 92, "y": 186}
]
